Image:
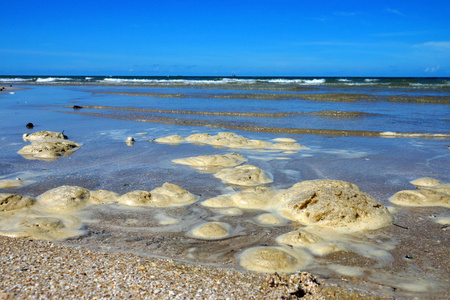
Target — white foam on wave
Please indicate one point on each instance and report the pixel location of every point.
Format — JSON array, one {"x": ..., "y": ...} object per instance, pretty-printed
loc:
[
  {"x": 14, "y": 79},
  {"x": 52, "y": 79},
  {"x": 371, "y": 80},
  {"x": 297, "y": 81}
]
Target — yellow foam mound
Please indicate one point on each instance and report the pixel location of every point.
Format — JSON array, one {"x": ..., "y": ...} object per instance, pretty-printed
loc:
[
  {"x": 421, "y": 198},
  {"x": 226, "y": 160},
  {"x": 269, "y": 219},
  {"x": 12, "y": 202},
  {"x": 211, "y": 231},
  {"x": 171, "y": 139},
  {"x": 298, "y": 238},
  {"x": 259, "y": 197},
  {"x": 270, "y": 259},
  {"x": 246, "y": 175},
  {"x": 426, "y": 181},
  {"x": 164, "y": 196},
  {"x": 64, "y": 198},
  {"x": 103, "y": 197},
  {"x": 43, "y": 135},
  {"x": 341, "y": 209},
  {"x": 41, "y": 226}
]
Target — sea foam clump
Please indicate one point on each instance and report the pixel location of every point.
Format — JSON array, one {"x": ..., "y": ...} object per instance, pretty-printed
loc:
[
  {"x": 211, "y": 231},
  {"x": 233, "y": 140},
  {"x": 271, "y": 259},
  {"x": 165, "y": 196},
  {"x": 246, "y": 175},
  {"x": 333, "y": 204},
  {"x": 64, "y": 198},
  {"x": 226, "y": 160},
  {"x": 47, "y": 146},
  {"x": 10, "y": 202},
  {"x": 431, "y": 192}
]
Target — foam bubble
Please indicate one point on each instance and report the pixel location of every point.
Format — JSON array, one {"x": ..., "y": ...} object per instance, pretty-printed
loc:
[
  {"x": 41, "y": 226},
  {"x": 171, "y": 139},
  {"x": 298, "y": 238},
  {"x": 426, "y": 181},
  {"x": 420, "y": 198},
  {"x": 270, "y": 219},
  {"x": 226, "y": 160},
  {"x": 271, "y": 259},
  {"x": 211, "y": 231},
  {"x": 246, "y": 175}
]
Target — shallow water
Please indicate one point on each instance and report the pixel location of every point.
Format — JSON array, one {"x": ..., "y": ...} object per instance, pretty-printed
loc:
[{"x": 379, "y": 166}]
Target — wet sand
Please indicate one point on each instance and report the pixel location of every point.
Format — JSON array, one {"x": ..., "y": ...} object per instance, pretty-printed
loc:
[{"x": 115, "y": 235}]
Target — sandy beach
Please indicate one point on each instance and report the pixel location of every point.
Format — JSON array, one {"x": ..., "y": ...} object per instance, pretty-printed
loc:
[
  {"x": 44, "y": 270},
  {"x": 169, "y": 166}
]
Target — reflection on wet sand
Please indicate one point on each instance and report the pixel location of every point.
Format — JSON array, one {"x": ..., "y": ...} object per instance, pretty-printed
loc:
[
  {"x": 328, "y": 97},
  {"x": 249, "y": 127}
]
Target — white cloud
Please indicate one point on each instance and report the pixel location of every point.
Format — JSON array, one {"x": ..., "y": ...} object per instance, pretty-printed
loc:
[
  {"x": 433, "y": 69},
  {"x": 394, "y": 11},
  {"x": 442, "y": 46}
]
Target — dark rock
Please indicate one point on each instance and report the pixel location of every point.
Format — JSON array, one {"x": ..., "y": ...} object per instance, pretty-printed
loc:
[
  {"x": 77, "y": 107},
  {"x": 30, "y": 126}
]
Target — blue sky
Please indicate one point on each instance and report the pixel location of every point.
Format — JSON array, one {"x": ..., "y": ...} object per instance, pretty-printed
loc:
[{"x": 208, "y": 37}]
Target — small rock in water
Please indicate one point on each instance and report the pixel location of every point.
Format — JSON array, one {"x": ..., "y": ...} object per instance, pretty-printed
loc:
[
  {"x": 77, "y": 107},
  {"x": 130, "y": 141},
  {"x": 30, "y": 126}
]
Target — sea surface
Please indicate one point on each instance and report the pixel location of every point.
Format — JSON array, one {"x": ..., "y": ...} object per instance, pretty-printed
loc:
[{"x": 377, "y": 133}]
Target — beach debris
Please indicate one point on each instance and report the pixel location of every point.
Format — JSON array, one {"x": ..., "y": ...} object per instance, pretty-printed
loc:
[
  {"x": 10, "y": 202},
  {"x": 130, "y": 141},
  {"x": 165, "y": 196},
  {"x": 298, "y": 285},
  {"x": 245, "y": 175},
  {"x": 64, "y": 198},
  {"x": 271, "y": 259},
  {"x": 47, "y": 146},
  {"x": 210, "y": 231},
  {"x": 30, "y": 126}
]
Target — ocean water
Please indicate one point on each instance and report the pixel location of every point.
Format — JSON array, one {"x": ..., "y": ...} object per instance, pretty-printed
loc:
[{"x": 377, "y": 133}]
